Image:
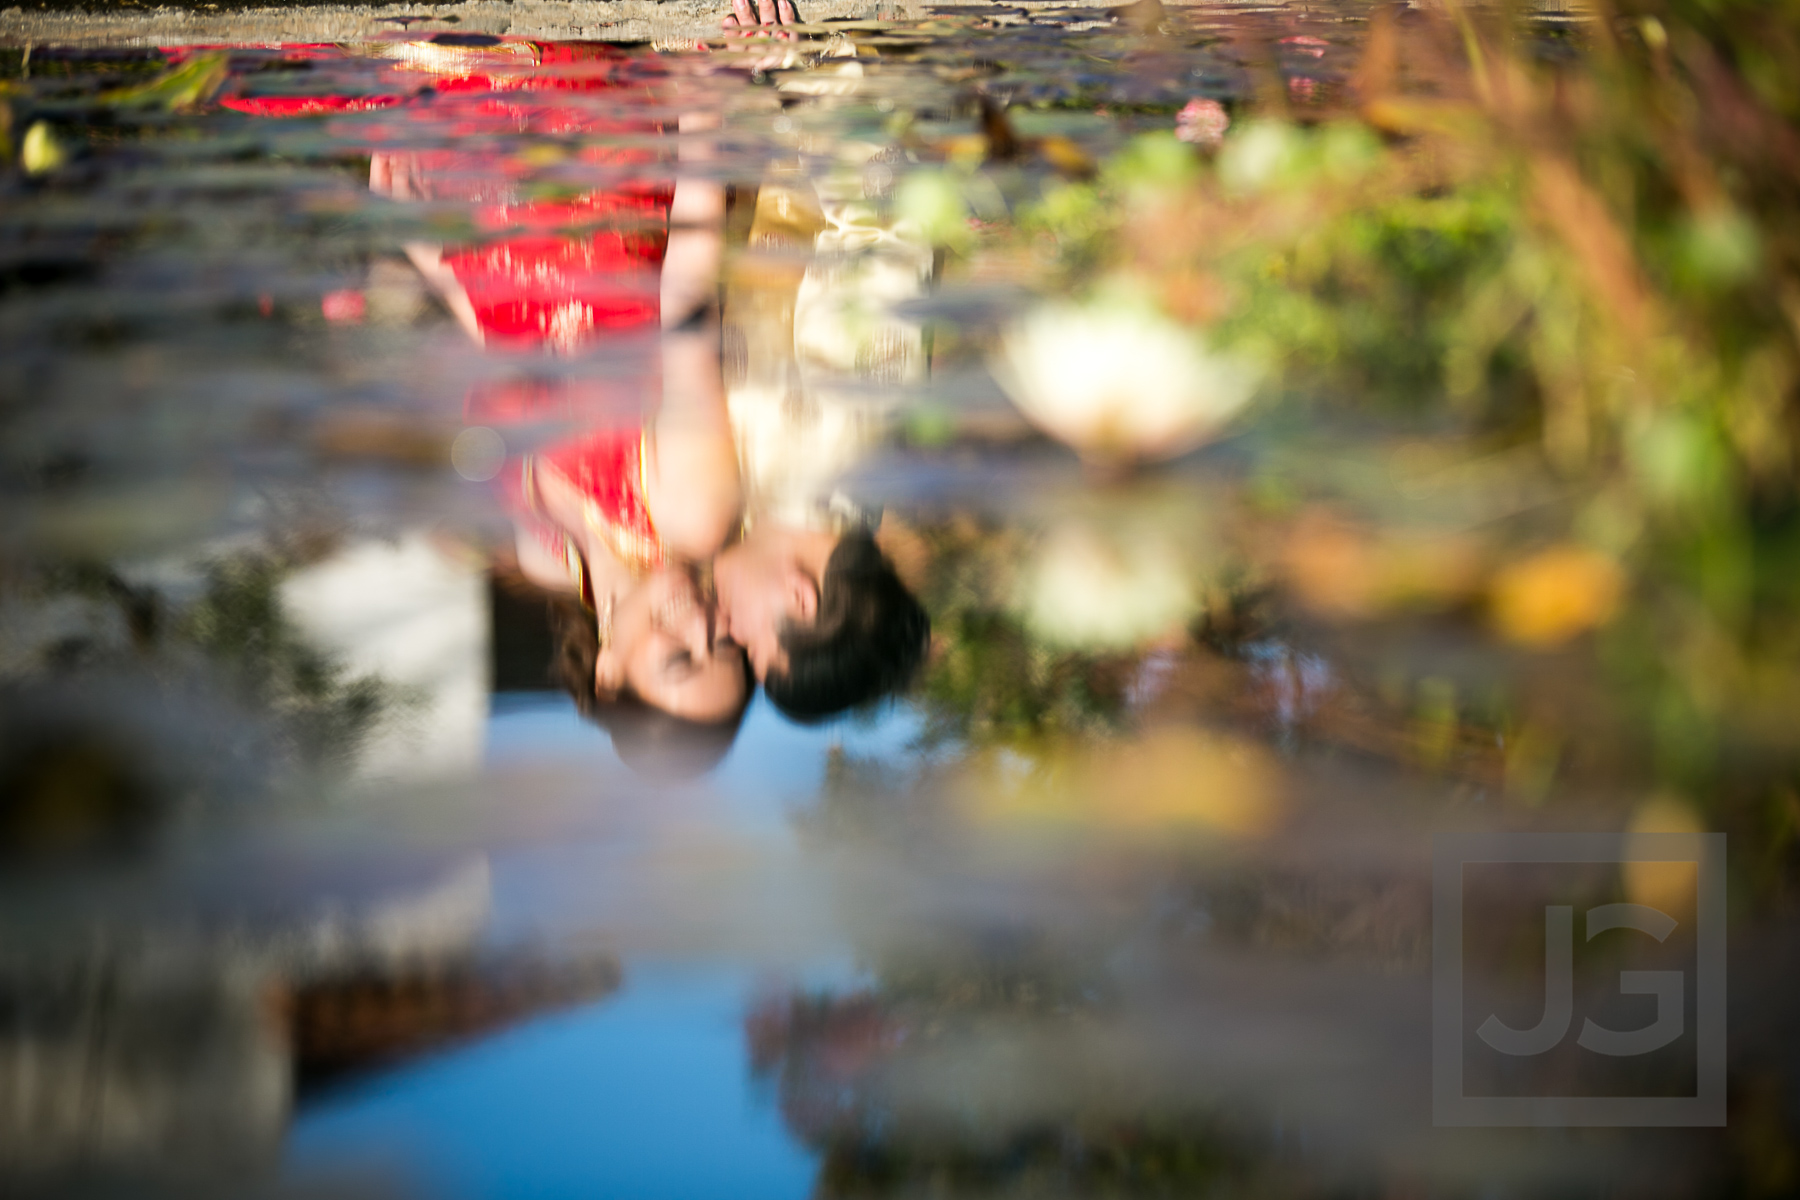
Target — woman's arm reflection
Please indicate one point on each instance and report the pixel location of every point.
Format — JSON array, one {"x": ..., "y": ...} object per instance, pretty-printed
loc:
[{"x": 614, "y": 515}]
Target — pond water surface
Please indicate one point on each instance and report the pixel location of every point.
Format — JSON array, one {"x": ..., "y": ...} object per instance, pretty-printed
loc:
[{"x": 337, "y": 376}]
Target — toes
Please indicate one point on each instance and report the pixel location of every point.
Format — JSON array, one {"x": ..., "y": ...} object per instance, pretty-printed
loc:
[{"x": 788, "y": 15}]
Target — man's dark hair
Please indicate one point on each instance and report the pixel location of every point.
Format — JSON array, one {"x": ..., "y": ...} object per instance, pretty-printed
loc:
[
  {"x": 869, "y": 636},
  {"x": 655, "y": 744}
]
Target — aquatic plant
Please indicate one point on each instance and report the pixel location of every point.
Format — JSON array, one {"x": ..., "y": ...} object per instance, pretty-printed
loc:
[{"x": 1524, "y": 298}]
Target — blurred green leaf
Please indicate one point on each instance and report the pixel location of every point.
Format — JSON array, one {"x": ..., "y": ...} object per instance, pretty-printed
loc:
[
  {"x": 932, "y": 202},
  {"x": 191, "y": 83}
]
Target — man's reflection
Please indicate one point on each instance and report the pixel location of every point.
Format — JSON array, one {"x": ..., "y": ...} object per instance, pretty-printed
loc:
[
  {"x": 807, "y": 590},
  {"x": 823, "y": 616}
]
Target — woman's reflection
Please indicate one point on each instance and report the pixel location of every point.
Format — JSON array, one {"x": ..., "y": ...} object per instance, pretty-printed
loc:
[{"x": 617, "y": 517}]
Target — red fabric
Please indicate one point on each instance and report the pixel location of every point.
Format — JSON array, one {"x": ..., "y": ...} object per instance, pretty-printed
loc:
[
  {"x": 607, "y": 469},
  {"x": 537, "y": 291},
  {"x": 540, "y": 286},
  {"x": 565, "y": 272}
]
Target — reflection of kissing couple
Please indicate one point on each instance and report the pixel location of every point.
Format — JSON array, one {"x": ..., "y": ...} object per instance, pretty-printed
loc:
[
  {"x": 817, "y": 615},
  {"x": 684, "y": 598}
]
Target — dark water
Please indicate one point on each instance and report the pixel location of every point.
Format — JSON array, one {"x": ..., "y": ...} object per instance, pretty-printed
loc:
[{"x": 1122, "y": 885}]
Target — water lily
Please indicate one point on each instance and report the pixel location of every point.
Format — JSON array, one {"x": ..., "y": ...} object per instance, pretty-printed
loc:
[
  {"x": 1120, "y": 382},
  {"x": 1106, "y": 589}
]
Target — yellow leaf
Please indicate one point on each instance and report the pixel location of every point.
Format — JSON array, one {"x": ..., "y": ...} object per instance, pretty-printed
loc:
[
  {"x": 1552, "y": 596},
  {"x": 1165, "y": 781},
  {"x": 42, "y": 152},
  {"x": 1066, "y": 156},
  {"x": 1667, "y": 886}
]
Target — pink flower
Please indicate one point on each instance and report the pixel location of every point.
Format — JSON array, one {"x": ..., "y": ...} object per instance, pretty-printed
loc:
[
  {"x": 1202, "y": 122},
  {"x": 1311, "y": 46},
  {"x": 346, "y": 307}
]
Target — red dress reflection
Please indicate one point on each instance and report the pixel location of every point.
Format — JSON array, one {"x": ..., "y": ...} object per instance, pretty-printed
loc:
[{"x": 562, "y": 272}]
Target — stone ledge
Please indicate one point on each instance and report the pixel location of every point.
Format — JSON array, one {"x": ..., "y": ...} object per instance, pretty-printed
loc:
[{"x": 548, "y": 20}]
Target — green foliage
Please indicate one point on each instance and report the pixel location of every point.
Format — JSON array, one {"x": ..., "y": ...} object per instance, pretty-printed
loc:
[
  {"x": 1374, "y": 304},
  {"x": 932, "y": 202},
  {"x": 1589, "y": 260},
  {"x": 1152, "y": 162},
  {"x": 993, "y": 684},
  {"x": 238, "y": 625},
  {"x": 1150, "y": 1158},
  {"x": 180, "y": 87},
  {"x": 996, "y": 686}
]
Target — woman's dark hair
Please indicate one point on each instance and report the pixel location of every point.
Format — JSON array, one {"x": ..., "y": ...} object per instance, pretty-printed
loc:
[
  {"x": 869, "y": 637},
  {"x": 655, "y": 744}
]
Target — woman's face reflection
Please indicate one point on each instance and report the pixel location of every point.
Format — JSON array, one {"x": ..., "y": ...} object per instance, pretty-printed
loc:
[{"x": 668, "y": 650}]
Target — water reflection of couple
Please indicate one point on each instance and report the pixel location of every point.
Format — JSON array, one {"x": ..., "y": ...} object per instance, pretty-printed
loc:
[{"x": 674, "y": 601}]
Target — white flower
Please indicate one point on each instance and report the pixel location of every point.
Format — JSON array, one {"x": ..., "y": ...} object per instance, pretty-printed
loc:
[
  {"x": 1120, "y": 382},
  {"x": 1263, "y": 154},
  {"x": 1105, "y": 589}
]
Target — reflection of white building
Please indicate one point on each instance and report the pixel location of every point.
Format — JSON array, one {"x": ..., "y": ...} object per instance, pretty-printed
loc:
[{"x": 413, "y": 613}]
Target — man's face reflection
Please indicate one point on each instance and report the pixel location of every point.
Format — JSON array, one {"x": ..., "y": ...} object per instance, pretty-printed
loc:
[
  {"x": 668, "y": 649},
  {"x": 770, "y": 594},
  {"x": 767, "y": 583}
]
